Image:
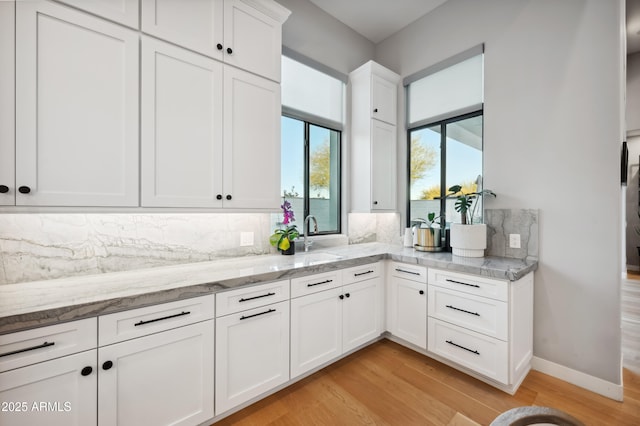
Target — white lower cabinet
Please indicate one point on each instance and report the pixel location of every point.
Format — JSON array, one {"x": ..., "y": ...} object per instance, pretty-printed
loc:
[
  {"x": 157, "y": 364},
  {"x": 407, "y": 303},
  {"x": 48, "y": 375},
  {"x": 329, "y": 323}
]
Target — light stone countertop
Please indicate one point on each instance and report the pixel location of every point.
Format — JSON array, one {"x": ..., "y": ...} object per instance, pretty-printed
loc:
[{"x": 38, "y": 303}]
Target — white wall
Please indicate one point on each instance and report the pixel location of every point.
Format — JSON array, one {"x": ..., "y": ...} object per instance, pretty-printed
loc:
[
  {"x": 552, "y": 142},
  {"x": 312, "y": 32}
]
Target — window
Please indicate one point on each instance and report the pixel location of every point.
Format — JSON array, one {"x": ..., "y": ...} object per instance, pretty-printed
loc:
[
  {"x": 311, "y": 172},
  {"x": 312, "y": 117},
  {"x": 445, "y": 127}
]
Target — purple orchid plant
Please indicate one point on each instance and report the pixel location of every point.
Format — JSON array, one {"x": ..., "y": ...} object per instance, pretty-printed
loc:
[{"x": 282, "y": 238}]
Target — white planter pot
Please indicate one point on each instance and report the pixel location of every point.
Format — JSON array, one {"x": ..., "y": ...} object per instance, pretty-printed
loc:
[{"x": 468, "y": 240}]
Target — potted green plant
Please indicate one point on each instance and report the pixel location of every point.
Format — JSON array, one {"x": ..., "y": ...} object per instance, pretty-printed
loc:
[
  {"x": 468, "y": 239},
  {"x": 283, "y": 238},
  {"x": 428, "y": 236}
]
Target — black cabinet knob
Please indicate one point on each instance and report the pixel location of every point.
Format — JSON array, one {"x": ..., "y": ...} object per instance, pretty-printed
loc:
[
  {"x": 375, "y": 203},
  {"x": 348, "y": 295},
  {"x": 421, "y": 291},
  {"x": 375, "y": 110},
  {"x": 24, "y": 190},
  {"x": 107, "y": 365},
  {"x": 229, "y": 50},
  {"x": 219, "y": 46},
  {"x": 86, "y": 371},
  {"x": 341, "y": 296},
  {"x": 219, "y": 197},
  {"x": 4, "y": 189},
  {"x": 228, "y": 197}
]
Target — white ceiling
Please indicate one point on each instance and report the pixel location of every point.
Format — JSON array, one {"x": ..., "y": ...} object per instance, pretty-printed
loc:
[{"x": 377, "y": 19}]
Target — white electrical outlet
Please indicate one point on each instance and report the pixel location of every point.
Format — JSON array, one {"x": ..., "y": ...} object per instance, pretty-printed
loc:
[
  {"x": 514, "y": 240},
  {"x": 246, "y": 239}
]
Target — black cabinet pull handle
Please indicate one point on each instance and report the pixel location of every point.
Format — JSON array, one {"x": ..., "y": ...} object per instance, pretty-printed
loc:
[
  {"x": 32, "y": 348},
  {"x": 24, "y": 190},
  {"x": 462, "y": 310},
  {"x": 228, "y": 197},
  {"x": 363, "y": 273},
  {"x": 321, "y": 282},
  {"x": 86, "y": 371},
  {"x": 421, "y": 291},
  {"x": 462, "y": 347},
  {"x": 160, "y": 319},
  {"x": 341, "y": 296},
  {"x": 107, "y": 365},
  {"x": 229, "y": 50},
  {"x": 246, "y": 299},
  {"x": 407, "y": 272},
  {"x": 219, "y": 46},
  {"x": 4, "y": 189},
  {"x": 219, "y": 197},
  {"x": 258, "y": 314},
  {"x": 460, "y": 282}
]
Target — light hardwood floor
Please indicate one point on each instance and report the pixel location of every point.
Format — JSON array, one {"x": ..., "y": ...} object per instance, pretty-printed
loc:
[{"x": 387, "y": 384}]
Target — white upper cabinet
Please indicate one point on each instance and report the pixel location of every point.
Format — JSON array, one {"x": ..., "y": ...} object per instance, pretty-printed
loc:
[
  {"x": 243, "y": 33},
  {"x": 373, "y": 138},
  {"x": 7, "y": 102},
  {"x": 181, "y": 127},
  {"x": 125, "y": 12},
  {"x": 76, "y": 108},
  {"x": 251, "y": 141}
]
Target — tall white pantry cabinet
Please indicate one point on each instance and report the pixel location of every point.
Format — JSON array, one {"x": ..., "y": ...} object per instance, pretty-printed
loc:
[{"x": 110, "y": 114}]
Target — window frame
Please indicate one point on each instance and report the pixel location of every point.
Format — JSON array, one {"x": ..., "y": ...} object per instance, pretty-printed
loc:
[
  {"x": 306, "y": 174},
  {"x": 443, "y": 156}
]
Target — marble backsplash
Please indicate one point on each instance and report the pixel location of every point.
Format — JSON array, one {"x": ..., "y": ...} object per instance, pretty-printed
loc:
[{"x": 44, "y": 246}]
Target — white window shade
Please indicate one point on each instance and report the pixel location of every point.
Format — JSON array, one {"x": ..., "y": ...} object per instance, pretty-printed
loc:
[
  {"x": 309, "y": 91},
  {"x": 450, "y": 91}
]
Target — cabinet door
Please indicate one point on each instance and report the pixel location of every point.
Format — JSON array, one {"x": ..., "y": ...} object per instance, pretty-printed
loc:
[
  {"x": 7, "y": 104},
  {"x": 57, "y": 392},
  {"x": 252, "y": 40},
  {"x": 122, "y": 11},
  {"x": 316, "y": 330},
  {"x": 408, "y": 311},
  {"x": 251, "y": 141},
  {"x": 196, "y": 26},
  {"x": 362, "y": 314},
  {"x": 252, "y": 354},
  {"x": 163, "y": 378},
  {"x": 383, "y": 166},
  {"x": 76, "y": 108},
  {"x": 383, "y": 100},
  {"x": 181, "y": 127}
]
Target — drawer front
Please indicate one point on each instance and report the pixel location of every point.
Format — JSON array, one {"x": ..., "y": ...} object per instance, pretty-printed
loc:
[
  {"x": 411, "y": 272},
  {"x": 315, "y": 283},
  {"x": 45, "y": 343},
  {"x": 233, "y": 301},
  {"x": 139, "y": 322},
  {"x": 361, "y": 273},
  {"x": 480, "y": 353},
  {"x": 472, "y": 284},
  {"x": 481, "y": 314}
]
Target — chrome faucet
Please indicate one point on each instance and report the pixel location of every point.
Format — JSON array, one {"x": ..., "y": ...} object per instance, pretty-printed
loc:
[{"x": 307, "y": 243}]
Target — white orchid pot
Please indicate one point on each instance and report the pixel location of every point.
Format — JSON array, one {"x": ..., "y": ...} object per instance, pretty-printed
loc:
[{"x": 468, "y": 240}]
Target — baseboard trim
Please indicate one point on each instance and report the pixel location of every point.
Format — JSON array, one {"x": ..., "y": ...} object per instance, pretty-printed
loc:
[
  {"x": 578, "y": 378},
  {"x": 634, "y": 268}
]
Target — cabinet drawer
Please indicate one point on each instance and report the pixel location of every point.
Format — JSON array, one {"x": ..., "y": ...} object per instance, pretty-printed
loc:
[
  {"x": 481, "y": 314},
  {"x": 153, "y": 319},
  {"x": 360, "y": 273},
  {"x": 480, "y": 353},
  {"x": 229, "y": 302},
  {"x": 45, "y": 343},
  {"x": 315, "y": 283},
  {"x": 411, "y": 272},
  {"x": 472, "y": 284}
]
